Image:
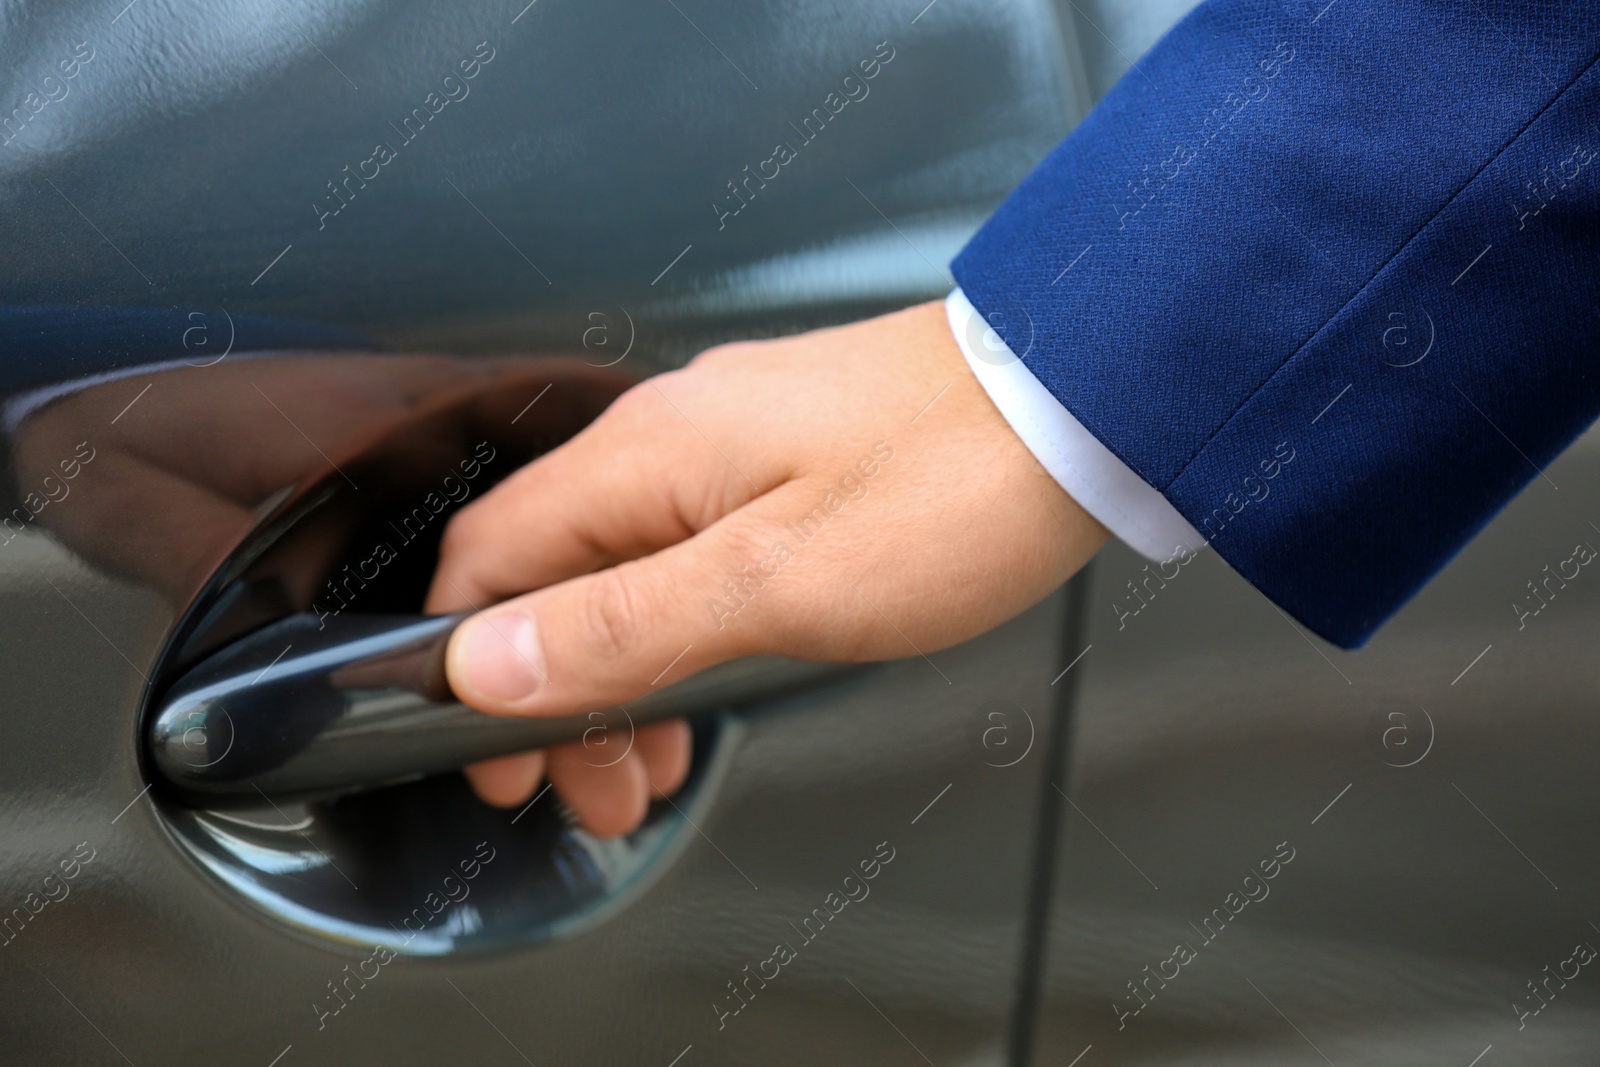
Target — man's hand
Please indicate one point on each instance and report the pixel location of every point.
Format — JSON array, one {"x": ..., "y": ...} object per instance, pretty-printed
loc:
[{"x": 847, "y": 494}]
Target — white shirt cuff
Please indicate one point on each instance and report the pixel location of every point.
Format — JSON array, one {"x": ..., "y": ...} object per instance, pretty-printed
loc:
[{"x": 1104, "y": 486}]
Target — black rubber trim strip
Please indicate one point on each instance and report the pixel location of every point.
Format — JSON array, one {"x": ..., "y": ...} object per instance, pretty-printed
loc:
[{"x": 1058, "y": 754}]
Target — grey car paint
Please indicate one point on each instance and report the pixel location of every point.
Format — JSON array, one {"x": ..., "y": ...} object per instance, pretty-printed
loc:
[
  {"x": 1436, "y": 788},
  {"x": 592, "y": 146},
  {"x": 571, "y": 196}
]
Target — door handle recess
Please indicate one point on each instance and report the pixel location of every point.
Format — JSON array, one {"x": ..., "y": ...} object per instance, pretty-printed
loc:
[{"x": 310, "y": 707}]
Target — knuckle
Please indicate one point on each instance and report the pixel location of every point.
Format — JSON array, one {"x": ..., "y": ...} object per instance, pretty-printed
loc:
[
  {"x": 620, "y": 417},
  {"x": 460, "y": 534},
  {"x": 638, "y": 402},
  {"x": 718, "y": 357},
  {"x": 745, "y": 543},
  {"x": 613, "y": 615}
]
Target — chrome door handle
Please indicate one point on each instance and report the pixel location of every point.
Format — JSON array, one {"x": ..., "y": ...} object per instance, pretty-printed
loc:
[{"x": 306, "y": 708}]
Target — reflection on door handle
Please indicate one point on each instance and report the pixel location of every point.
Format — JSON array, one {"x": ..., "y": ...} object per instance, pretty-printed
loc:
[{"x": 307, "y": 707}]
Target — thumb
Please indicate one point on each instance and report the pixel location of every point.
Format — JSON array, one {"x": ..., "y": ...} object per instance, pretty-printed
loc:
[{"x": 613, "y": 635}]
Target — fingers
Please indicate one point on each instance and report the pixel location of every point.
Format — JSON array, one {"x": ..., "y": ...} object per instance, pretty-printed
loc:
[
  {"x": 665, "y": 748},
  {"x": 610, "y": 795},
  {"x": 642, "y": 477},
  {"x": 605, "y": 638},
  {"x": 613, "y": 493},
  {"x": 609, "y": 799},
  {"x": 603, "y": 792},
  {"x": 509, "y": 780}
]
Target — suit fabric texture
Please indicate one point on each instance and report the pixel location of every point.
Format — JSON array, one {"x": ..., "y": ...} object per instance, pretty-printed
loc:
[{"x": 1327, "y": 276}]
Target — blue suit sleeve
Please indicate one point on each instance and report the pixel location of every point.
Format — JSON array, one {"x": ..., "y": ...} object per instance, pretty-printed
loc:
[{"x": 1327, "y": 275}]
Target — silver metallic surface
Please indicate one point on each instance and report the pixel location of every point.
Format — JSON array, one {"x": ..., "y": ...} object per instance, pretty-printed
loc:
[{"x": 308, "y": 708}]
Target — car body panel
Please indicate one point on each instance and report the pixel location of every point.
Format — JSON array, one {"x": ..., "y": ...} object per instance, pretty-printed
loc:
[
  {"x": 1434, "y": 788},
  {"x": 199, "y": 331}
]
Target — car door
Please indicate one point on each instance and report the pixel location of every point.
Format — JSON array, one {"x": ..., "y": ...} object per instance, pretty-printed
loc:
[
  {"x": 283, "y": 285},
  {"x": 1272, "y": 851}
]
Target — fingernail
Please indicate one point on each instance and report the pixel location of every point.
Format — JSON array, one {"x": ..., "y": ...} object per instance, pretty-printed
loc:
[{"x": 500, "y": 655}]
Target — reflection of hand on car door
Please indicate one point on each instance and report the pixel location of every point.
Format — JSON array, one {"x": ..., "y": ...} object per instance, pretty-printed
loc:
[
  {"x": 159, "y": 486},
  {"x": 184, "y": 458}
]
